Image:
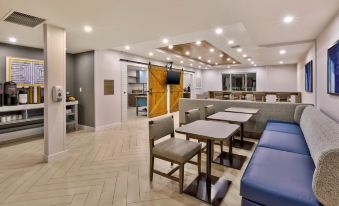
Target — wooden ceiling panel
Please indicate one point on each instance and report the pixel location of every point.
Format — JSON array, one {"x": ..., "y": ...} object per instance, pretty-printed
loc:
[{"x": 209, "y": 54}]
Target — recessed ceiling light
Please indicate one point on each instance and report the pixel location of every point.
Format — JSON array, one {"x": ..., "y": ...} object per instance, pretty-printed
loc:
[
  {"x": 281, "y": 62},
  {"x": 282, "y": 51},
  {"x": 191, "y": 64},
  {"x": 239, "y": 50},
  {"x": 230, "y": 42},
  {"x": 233, "y": 62},
  {"x": 216, "y": 63},
  {"x": 199, "y": 57},
  {"x": 127, "y": 47},
  {"x": 244, "y": 55},
  {"x": 218, "y": 31},
  {"x": 209, "y": 61},
  {"x": 252, "y": 62},
  {"x": 150, "y": 54},
  {"x": 165, "y": 41},
  {"x": 221, "y": 55},
  {"x": 170, "y": 46},
  {"x": 187, "y": 53},
  {"x": 168, "y": 58},
  {"x": 181, "y": 62},
  {"x": 88, "y": 29},
  {"x": 211, "y": 50},
  {"x": 255, "y": 65},
  {"x": 198, "y": 42},
  {"x": 228, "y": 59},
  {"x": 12, "y": 39},
  {"x": 249, "y": 59},
  {"x": 288, "y": 19},
  {"x": 199, "y": 66}
]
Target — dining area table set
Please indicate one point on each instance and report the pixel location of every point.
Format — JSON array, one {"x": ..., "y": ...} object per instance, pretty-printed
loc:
[{"x": 216, "y": 129}]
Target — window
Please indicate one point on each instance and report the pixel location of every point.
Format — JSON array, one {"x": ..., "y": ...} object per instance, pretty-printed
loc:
[{"x": 239, "y": 82}]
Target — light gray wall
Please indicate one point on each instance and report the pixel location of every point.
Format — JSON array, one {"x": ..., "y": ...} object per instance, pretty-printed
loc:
[
  {"x": 84, "y": 79},
  {"x": 32, "y": 53}
]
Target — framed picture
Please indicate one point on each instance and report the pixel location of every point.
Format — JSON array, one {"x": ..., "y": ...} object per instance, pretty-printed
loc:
[
  {"x": 309, "y": 77},
  {"x": 333, "y": 69}
]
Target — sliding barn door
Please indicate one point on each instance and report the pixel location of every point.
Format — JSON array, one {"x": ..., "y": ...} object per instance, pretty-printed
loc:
[
  {"x": 176, "y": 92},
  {"x": 157, "y": 97}
]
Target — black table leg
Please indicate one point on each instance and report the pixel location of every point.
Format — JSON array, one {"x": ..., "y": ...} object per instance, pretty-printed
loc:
[
  {"x": 206, "y": 187},
  {"x": 242, "y": 144},
  {"x": 229, "y": 159}
]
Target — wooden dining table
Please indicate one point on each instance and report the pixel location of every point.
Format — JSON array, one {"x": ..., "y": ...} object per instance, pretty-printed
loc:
[{"x": 206, "y": 187}]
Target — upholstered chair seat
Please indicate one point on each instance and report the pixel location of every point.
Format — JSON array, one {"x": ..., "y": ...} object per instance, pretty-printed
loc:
[{"x": 177, "y": 149}]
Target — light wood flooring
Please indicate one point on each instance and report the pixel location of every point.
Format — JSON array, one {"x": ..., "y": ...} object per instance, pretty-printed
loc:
[{"x": 108, "y": 167}]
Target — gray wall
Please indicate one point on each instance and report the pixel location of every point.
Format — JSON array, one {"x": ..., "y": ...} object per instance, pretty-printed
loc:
[
  {"x": 79, "y": 73},
  {"x": 84, "y": 79},
  {"x": 33, "y": 53}
]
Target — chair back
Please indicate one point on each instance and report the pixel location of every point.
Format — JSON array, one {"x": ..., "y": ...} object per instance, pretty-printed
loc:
[
  {"x": 209, "y": 110},
  {"x": 161, "y": 127},
  {"x": 283, "y": 97},
  {"x": 218, "y": 95},
  {"x": 236, "y": 95},
  {"x": 192, "y": 116},
  {"x": 259, "y": 97}
]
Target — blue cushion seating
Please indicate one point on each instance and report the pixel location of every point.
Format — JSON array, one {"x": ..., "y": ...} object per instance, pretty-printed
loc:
[
  {"x": 280, "y": 178},
  {"x": 281, "y": 126},
  {"x": 288, "y": 142},
  {"x": 281, "y": 169}
]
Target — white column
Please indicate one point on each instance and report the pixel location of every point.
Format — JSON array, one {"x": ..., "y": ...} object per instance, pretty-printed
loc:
[{"x": 55, "y": 75}]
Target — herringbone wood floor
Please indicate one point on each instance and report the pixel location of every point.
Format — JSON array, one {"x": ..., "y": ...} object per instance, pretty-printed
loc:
[{"x": 109, "y": 167}]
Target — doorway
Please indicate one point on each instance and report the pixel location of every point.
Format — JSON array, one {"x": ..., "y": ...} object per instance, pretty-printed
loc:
[{"x": 137, "y": 87}]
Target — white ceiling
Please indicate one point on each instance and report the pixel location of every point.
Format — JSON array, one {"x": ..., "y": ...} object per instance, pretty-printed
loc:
[{"x": 142, "y": 24}]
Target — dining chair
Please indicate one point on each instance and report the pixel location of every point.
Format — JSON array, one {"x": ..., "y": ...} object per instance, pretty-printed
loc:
[
  {"x": 173, "y": 150},
  {"x": 192, "y": 116},
  {"x": 209, "y": 110},
  {"x": 259, "y": 97},
  {"x": 236, "y": 96},
  {"x": 283, "y": 97}
]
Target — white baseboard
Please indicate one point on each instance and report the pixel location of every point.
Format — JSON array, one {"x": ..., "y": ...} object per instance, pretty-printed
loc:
[
  {"x": 107, "y": 126},
  {"x": 87, "y": 128},
  {"x": 21, "y": 134},
  {"x": 56, "y": 156}
]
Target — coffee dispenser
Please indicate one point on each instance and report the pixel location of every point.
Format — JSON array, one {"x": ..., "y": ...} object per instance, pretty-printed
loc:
[{"x": 10, "y": 93}]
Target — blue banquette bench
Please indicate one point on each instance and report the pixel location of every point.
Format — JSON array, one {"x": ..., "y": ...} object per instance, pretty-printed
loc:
[{"x": 295, "y": 163}]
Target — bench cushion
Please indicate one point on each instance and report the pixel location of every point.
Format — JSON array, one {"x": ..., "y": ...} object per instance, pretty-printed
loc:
[
  {"x": 284, "y": 141},
  {"x": 281, "y": 126},
  {"x": 279, "y": 178},
  {"x": 177, "y": 149}
]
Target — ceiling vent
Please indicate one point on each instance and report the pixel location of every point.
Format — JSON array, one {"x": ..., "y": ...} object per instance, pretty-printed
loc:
[{"x": 23, "y": 19}]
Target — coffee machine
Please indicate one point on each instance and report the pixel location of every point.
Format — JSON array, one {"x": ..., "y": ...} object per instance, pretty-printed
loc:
[{"x": 10, "y": 94}]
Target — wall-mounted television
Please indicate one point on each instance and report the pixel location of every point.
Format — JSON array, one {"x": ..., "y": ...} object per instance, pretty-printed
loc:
[
  {"x": 333, "y": 69},
  {"x": 173, "y": 77},
  {"x": 309, "y": 77}
]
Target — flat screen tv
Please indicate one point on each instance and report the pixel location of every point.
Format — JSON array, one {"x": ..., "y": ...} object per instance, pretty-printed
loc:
[
  {"x": 173, "y": 77},
  {"x": 309, "y": 77},
  {"x": 333, "y": 69}
]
